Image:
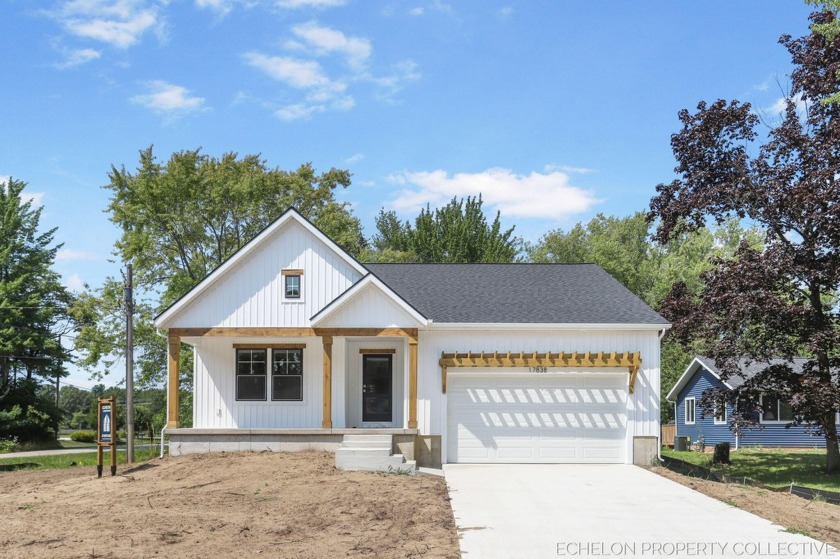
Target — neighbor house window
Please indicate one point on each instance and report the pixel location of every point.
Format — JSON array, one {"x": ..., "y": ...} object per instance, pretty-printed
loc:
[
  {"x": 250, "y": 374},
  {"x": 689, "y": 411},
  {"x": 774, "y": 408},
  {"x": 287, "y": 374},
  {"x": 292, "y": 285},
  {"x": 720, "y": 412}
]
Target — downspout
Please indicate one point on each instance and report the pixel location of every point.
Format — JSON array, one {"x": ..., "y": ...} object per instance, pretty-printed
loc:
[
  {"x": 659, "y": 436},
  {"x": 163, "y": 429}
]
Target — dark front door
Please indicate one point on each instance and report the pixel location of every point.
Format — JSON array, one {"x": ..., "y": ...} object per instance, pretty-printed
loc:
[{"x": 377, "y": 388}]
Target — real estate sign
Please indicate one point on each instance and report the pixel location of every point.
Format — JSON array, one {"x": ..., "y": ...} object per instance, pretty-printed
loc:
[{"x": 107, "y": 433}]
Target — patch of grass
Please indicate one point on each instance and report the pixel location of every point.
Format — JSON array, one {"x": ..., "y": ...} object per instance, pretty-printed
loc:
[
  {"x": 773, "y": 467},
  {"x": 801, "y": 533},
  {"x": 72, "y": 460}
]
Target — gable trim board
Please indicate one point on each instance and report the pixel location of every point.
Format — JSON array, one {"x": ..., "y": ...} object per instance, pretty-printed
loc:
[
  {"x": 692, "y": 368},
  {"x": 557, "y": 313}
]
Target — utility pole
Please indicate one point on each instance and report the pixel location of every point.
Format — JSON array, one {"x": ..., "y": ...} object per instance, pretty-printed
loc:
[{"x": 128, "y": 293}]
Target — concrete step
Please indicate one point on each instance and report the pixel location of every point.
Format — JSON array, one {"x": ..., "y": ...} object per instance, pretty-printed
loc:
[
  {"x": 364, "y": 452},
  {"x": 384, "y": 439},
  {"x": 365, "y": 444}
]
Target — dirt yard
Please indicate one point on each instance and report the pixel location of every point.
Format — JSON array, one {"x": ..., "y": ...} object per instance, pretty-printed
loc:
[
  {"x": 817, "y": 519},
  {"x": 222, "y": 505}
]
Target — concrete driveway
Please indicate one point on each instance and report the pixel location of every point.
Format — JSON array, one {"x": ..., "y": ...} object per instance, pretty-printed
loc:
[{"x": 533, "y": 511}]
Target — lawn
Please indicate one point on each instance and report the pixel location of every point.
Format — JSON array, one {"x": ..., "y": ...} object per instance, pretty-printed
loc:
[
  {"x": 773, "y": 467},
  {"x": 72, "y": 460}
]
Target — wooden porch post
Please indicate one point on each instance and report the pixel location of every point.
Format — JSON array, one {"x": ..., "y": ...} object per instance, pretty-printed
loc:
[
  {"x": 326, "y": 422},
  {"x": 412, "y": 383},
  {"x": 174, "y": 380}
]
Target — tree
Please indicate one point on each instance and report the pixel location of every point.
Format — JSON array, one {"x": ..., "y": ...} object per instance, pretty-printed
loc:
[
  {"x": 180, "y": 220},
  {"x": 779, "y": 301},
  {"x": 624, "y": 248},
  {"x": 456, "y": 232},
  {"x": 830, "y": 29},
  {"x": 32, "y": 316}
]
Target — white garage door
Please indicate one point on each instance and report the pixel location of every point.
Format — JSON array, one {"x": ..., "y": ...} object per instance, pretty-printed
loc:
[{"x": 514, "y": 417}]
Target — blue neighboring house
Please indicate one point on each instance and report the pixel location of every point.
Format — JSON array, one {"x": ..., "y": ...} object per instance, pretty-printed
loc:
[{"x": 702, "y": 374}]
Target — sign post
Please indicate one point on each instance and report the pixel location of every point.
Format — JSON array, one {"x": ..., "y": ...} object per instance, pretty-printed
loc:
[{"x": 107, "y": 433}]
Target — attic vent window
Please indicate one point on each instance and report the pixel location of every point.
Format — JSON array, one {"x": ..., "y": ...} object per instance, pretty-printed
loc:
[{"x": 292, "y": 285}]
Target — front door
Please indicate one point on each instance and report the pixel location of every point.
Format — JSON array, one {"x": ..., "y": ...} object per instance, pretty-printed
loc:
[{"x": 377, "y": 390}]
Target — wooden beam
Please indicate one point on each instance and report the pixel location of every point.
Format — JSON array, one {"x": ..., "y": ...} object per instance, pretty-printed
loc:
[
  {"x": 291, "y": 272},
  {"x": 326, "y": 421},
  {"x": 269, "y": 346},
  {"x": 632, "y": 361},
  {"x": 373, "y": 332},
  {"x": 291, "y": 332},
  {"x": 174, "y": 358},
  {"x": 234, "y": 331},
  {"x": 412, "y": 383},
  {"x": 368, "y": 351}
]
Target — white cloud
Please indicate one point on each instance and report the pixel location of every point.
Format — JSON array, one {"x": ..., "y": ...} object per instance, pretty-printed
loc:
[
  {"x": 355, "y": 158},
  {"x": 69, "y": 255},
  {"x": 168, "y": 99},
  {"x": 416, "y": 11},
  {"x": 567, "y": 169},
  {"x": 780, "y": 106},
  {"x": 505, "y": 12},
  {"x": 310, "y": 3},
  {"x": 298, "y": 111},
  {"x": 324, "y": 40},
  {"x": 37, "y": 198},
  {"x": 74, "y": 282},
  {"x": 538, "y": 195},
  {"x": 119, "y": 23},
  {"x": 77, "y": 57},
  {"x": 298, "y": 73}
]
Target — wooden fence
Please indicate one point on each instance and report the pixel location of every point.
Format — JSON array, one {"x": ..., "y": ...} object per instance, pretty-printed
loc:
[{"x": 668, "y": 432}]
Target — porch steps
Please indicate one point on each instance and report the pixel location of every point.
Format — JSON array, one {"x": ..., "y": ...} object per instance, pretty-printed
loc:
[{"x": 371, "y": 453}]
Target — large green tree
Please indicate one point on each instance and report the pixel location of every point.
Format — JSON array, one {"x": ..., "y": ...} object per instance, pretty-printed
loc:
[
  {"x": 180, "y": 219},
  {"x": 782, "y": 300},
  {"x": 32, "y": 316},
  {"x": 456, "y": 232}
]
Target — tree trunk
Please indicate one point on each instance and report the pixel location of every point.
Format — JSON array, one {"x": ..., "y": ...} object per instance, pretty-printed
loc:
[{"x": 832, "y": 454}]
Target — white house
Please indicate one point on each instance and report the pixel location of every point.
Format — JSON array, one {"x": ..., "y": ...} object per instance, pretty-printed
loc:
[{"x": 297, "y": 344}]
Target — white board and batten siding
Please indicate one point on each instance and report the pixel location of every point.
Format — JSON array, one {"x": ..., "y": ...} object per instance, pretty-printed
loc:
[
  {"x": 369, "y": 308},
  {"x": 251, "y": 294},
  {"x": 641, "y": 409},
  {"x": 214, "y": 388}
]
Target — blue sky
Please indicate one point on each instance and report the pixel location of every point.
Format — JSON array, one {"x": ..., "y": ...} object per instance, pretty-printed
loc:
[{"x": 553, "y": 110}]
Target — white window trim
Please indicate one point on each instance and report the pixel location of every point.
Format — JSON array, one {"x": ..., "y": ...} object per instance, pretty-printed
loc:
[
  {"x": 725, "y": 419},
  {"x": 286, "y": 273},
  {"x": 761, "y": 419},
  {"x": 693, "y": 421}
]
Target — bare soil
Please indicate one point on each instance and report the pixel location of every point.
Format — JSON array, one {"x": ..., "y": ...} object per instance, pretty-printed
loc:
[
  {"x": 226, "y": 504},
  {"x": 816, "y": 519}
]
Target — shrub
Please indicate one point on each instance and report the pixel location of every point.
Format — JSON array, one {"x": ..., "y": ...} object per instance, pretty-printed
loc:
[
  {"x": 721, "y": 455},
  {"x": 8, "y": 445},
  {"x": 83, "y": 436}
]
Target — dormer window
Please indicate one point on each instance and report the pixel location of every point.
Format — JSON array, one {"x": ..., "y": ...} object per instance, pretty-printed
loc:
[{"x": 292, "y": 285}]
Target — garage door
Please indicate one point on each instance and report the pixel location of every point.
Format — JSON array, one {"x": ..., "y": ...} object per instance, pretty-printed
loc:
[{"x": 513, "y": 417}]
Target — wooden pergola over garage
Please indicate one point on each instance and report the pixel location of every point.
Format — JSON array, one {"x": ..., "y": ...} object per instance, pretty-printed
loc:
[{"x": 569, "y": 360}]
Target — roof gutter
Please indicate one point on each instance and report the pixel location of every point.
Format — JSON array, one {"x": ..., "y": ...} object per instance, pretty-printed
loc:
[{"x": 546, "y": 326}]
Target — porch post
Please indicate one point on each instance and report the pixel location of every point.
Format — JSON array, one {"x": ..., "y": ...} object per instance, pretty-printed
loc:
[
  {"x": 412, "y": 383},
  {"x": 326, "y": 422},
  {"x": 174, "y": 352}
]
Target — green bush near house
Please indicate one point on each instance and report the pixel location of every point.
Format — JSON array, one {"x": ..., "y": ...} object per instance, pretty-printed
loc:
[{"x": 772, "y": 467}]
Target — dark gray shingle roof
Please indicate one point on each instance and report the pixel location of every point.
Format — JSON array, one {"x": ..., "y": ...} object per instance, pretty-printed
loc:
[
  {"x": 749, "y": 369},
  {"x": 516, "y": 293}
]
